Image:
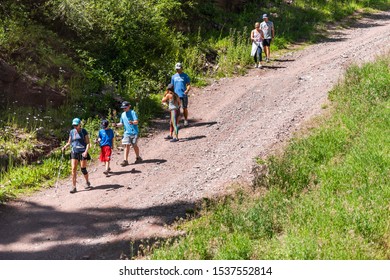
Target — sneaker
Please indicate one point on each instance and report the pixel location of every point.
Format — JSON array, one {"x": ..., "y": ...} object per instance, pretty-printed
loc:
[
  {"x": 88, "y": 186},
  {"x": 73, "y": 190},
  {"x": 124, "y": 163},
  {"x": 174, "y": 140},
  {"x": 138, "y": 160},
  {"x": 185, "y": 123},
  {"x": 267, "y": 60},
  {"x": 256, "y": 65},
  {"x": 105, "y": 172},
  {"x": 260, "y": 66},
  {"x": 109, "y": 170},
  {"x": 168, "y": 137}
]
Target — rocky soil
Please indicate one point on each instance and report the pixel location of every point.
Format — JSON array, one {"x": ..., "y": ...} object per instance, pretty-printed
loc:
[{"x": 232, "y": 122}]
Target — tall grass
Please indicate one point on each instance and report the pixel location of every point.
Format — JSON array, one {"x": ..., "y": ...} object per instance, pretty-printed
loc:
[
  {"x": 92, "y": 91},
  {"x": 21, "y": 177},
  {"x": 326, "y": 197}
]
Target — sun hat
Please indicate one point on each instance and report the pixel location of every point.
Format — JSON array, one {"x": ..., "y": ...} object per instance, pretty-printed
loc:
[
  {"x": 125, "y": 104},
  {"x": 76, "y": 121},
  {"x": 170, "y": 87},
  {"x": 178, "y": 66},
  {"x": 265, "y": 16},
  {"x": 104, "y": 123}
]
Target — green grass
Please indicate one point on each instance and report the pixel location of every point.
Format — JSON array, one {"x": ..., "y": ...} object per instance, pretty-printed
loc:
[
  {"x": 92, "y": 91},
  {"x": 326, "y": 197},
  {"x": 18, "y": 176}
]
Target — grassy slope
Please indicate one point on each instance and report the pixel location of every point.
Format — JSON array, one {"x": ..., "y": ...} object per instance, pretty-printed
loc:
[{"x": 326, "y": 197}]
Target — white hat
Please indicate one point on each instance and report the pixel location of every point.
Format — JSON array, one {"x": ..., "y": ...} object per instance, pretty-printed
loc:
[{"x": 178, "y": 66}]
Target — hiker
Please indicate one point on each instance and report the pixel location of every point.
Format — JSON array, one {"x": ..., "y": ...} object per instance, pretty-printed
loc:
[
  {"x": 79, "y": 141},
  {"x": 267, "y": 27},
  {"x": 181, "y": 84},
  {"x": 105, "y": 137},
  {"x": 257, "y": 38},
  {"x": 173, "y": 101},
  {"x": 129, "y": 120}
]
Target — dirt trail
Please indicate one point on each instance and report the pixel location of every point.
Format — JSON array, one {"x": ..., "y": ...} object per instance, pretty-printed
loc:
[{"x": 231, "y": 122}]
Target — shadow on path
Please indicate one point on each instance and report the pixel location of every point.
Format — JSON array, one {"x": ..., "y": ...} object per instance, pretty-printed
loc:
[
  {"x": 107, "y": 187},
  {"x": 57, "y": 233},
  {"x": 192, "y": 138}
]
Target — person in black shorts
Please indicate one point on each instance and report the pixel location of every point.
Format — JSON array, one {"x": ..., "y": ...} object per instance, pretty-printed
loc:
[
  {"x": 79, "y": 141},
  {"x": 268, "y": 29}
]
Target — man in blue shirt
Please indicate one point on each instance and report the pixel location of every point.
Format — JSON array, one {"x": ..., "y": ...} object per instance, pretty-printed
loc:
[
  {"x": 181, "y": 84},
  {"x": 129, "y": 121}
]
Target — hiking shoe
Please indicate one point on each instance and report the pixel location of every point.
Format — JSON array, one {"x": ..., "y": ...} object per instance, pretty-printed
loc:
[
  {"x": 73, "y": 190},
  {"x": 105, "y": 172},
  {"x": 174, "y": 140},
  {"x": 109, "y": 170},
  {"x": 138, "y": 160},
  {"x": 185, "y": 123},
  {"x": 168, "y": 137},
  {"x": 124, "y": 163},
  {"x": 88, "y": 186}
]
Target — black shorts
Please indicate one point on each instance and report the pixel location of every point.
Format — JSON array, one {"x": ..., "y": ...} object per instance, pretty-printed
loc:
[
  {"x": 267, "y": 42},
  {"x": 184, "y": 101},
  {"x": 79, "y": 156}
]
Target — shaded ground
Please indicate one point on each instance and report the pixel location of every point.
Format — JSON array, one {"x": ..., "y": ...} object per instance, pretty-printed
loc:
[{"x": 232, "y": 122}]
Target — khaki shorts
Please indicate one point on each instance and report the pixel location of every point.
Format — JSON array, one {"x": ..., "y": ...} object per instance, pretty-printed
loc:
[{"x": 130, "y": 140}]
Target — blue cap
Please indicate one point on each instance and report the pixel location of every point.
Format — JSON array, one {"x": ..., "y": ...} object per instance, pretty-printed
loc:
[
  {"x": 104, "y": 123},
  {"x": 265, "y": 16},
  {"x": 170, "y": 87},
  {"x": 125, "y": 104},
  {"x": 76, "y": 121}
]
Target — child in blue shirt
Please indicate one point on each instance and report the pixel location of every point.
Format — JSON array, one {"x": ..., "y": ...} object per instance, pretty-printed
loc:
[{"x": 105, "y": 139}]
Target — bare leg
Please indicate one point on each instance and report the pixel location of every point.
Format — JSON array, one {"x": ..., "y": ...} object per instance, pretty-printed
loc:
[
  {"x": 267, "y": 51},
  {"x": 126, "y": 153},
  {"x": 74, "y": 163},
  {"x": 136, "y": 150},
  {"x": 83, "y": 164}
]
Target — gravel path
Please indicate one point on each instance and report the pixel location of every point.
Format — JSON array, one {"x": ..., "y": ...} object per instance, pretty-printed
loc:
[{"x": 232, "y": 121}]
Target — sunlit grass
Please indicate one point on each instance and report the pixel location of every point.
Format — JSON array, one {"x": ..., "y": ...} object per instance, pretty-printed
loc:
[{"x": 326, "y": 197}]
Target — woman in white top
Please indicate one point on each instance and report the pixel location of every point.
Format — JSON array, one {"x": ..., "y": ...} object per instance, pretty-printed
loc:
[
  {"x": 173, "y": 101},
  {"x": 257, "y": 38}
]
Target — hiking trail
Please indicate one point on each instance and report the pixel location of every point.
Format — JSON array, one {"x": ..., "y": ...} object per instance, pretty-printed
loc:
[{"x": 232, "y": 121}]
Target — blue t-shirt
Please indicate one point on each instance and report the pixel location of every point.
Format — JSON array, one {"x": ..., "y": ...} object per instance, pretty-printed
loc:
[
  {"x": 106, "y": 136},
  {"x": 180, "y": 82},
  {"x": 78, "y": 143},
  {"x": 130, "y": 129}
]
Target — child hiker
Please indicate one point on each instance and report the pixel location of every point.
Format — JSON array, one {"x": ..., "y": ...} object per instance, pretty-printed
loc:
[
  {"x": 105, "y": 139},
  {"x": 173, "y": 101}
]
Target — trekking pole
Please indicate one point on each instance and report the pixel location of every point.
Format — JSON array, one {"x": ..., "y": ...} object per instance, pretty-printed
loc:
[{"x": 59, "y": 171}]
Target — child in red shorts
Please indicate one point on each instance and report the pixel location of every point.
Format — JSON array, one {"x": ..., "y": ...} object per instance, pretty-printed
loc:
[{"x": 105, "y": 139}]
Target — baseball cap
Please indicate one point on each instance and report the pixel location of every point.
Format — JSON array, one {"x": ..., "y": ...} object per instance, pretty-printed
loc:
[
  {"x": 178, "y": 65},
  {"x": 76, "y": 121},
  {"x": 104, "y": 123},
  {"x": 125, "y": 104},
  {"x": 265, "y": 16},
  {"x": 170, "y": 87}
]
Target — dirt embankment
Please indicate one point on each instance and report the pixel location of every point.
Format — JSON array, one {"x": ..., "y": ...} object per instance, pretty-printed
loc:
[{"x": 232, "y": 121}]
